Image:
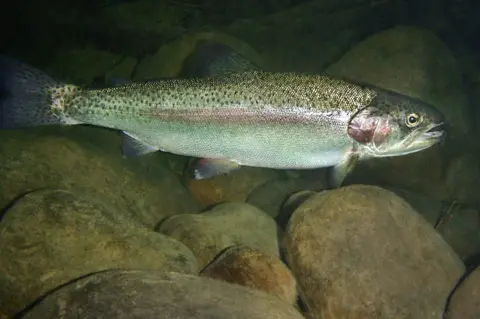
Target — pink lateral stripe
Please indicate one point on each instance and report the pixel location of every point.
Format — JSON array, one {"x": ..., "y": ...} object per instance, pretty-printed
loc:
[{"x": 235, "y": 115}]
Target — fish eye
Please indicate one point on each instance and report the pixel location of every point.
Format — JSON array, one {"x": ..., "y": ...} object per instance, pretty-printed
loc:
[{"x": 413, "y": 119}]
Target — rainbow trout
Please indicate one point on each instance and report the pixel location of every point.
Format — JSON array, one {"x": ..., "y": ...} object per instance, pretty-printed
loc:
[{"x": 232, "y": 117}]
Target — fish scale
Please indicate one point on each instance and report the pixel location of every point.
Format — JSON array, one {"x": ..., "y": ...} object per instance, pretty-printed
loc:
[{"x": 286, "y": 92}]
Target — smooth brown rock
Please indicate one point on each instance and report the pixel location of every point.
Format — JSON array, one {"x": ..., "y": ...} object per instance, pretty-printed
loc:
[
  {"x": 228, "y": 224},
  {"x": 290, "y": 205},
  {"x": 271, "y": 195},
  {"x": 232, "y": 187},
  {"x": 251, "y": 268},
  {"x": 465, "y": 301},
  {"x": 134, "y": 294},
  {"x": 51, "y": 237},
  {"x": 362, "y": 252},
  {"x": 87, "y": 160},
  {"x": 429, "y": 208}
]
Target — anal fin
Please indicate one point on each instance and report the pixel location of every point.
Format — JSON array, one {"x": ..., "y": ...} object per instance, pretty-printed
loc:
[
  {"x": 133, "y": 146},
  {"x": 208, "y": 168}
]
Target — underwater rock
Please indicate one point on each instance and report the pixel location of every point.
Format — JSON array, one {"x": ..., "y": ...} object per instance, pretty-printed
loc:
[
  {"x": 463, "y": 179},
  {"x": 290, "y": 205},
  {"x": 124, "y": 69},
  {"x": 169, "y": 60},
  {"x": 458, "y": 224},
  {"x": 81, "y": 66},
  {"x": 465, "y": 300},
  {"x": 142, "y": 18},
  {"x": 421, "y": 173},
  {"x": 88, "y": 160},
  {"x": 429, "y": 208},
  {"x": 460, "y": 227},
  {"x": 158, "y": 295},
  {"x": 428, "y": 71},
  {"x": 224, "y": 225},
  {"x": 362, "y": 252},
  {"x": 311, "y": 35},
  {"x": 232, "y": 187},
  {"x": 270, "y": 196},
  {"x": 251, "y": 268},
  {"x": 48, "y": 238}
]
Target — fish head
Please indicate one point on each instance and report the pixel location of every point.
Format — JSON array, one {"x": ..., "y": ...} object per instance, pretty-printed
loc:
[{"x": 394, "y": 125}]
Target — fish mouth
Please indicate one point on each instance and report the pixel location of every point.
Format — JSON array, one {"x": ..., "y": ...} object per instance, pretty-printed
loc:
[
  {"x": 433, "y": 133},
  {"x": 421, "y": 141}
]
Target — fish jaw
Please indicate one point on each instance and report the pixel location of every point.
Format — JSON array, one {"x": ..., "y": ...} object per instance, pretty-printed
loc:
[
  {"x": 423, "y": 140},
  {"x": 433, "y": 135}
]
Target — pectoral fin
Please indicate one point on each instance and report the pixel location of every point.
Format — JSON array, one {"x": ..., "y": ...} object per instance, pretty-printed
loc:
[
  {"x": 132, "y": 146},
  {"x": 207, "y": 168},
  {"x": 342, "y": 169}
]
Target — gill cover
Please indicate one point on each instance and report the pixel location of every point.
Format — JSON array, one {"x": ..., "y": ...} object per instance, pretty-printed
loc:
[{"x": 369, "y": 125}]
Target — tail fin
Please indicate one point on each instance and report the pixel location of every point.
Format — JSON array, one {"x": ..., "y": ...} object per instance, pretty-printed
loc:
[{"x": 24, "y": 97}]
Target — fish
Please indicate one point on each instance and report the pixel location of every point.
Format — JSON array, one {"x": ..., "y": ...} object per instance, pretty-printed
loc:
[{"x": 229, "y": 113}]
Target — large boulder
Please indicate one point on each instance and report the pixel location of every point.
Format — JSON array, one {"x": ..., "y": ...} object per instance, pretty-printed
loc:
[
  {"x": 227, "y": 224},
  {"x": 465, "y": 300},
  {"x": 235, "y": 186},
  {"x": 251, "y": 268},
  {"x": 49, "y": 238},
  {"x": 158, "y": 295},
  {"x": 88, "y": 160},
  {"x": 362, "y": 252}
]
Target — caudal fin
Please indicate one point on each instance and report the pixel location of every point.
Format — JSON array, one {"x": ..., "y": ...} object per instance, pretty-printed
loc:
[{"x": 24, "y": 97}]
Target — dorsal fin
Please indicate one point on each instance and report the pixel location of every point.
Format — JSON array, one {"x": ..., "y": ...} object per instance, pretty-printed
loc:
[{"x": 213, "y": 58}]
